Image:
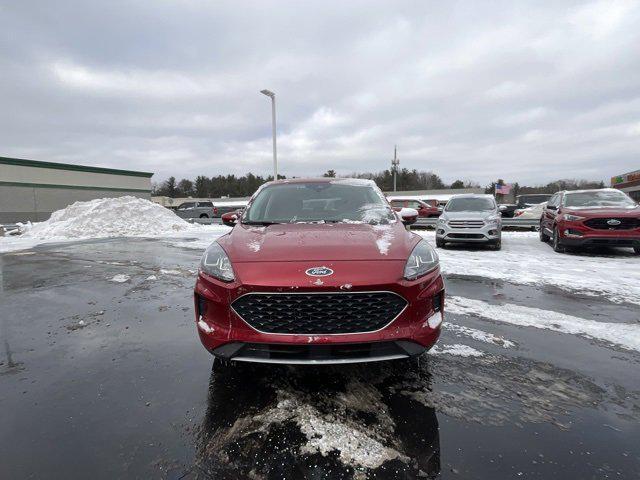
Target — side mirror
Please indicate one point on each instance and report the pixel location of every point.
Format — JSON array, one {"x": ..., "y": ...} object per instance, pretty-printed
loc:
[
  {"x": 229, "y": 219},
  {"x": 552, "y": 207},
  {"x": 409, "y": 216}
]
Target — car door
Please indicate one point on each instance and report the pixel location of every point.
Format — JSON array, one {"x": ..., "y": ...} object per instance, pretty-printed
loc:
[
  {"x": 422, "y": 211},
  {"x": 550, "y": 212}
]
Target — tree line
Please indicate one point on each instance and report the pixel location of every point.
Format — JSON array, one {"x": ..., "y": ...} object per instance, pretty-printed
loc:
[{"x": 244, "y": 186}]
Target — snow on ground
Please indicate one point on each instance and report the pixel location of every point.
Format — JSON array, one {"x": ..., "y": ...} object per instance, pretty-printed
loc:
[
  {"x": 621, "y": 334},
  {"x": 456, "y": 349},
  {"x": 104, "y": 218},
  {"x": 527, "y": 261},
  {"x": 479, "y": 335},
  {"x": 120, "y": 278}
]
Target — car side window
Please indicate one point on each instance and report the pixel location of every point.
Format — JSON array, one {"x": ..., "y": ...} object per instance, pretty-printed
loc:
[
  {"x": 414, "y": 204},
  {"x": 553, "y": 201},
  {"x": 185, "y": 206},
  {"x": 205, "y": 204}
]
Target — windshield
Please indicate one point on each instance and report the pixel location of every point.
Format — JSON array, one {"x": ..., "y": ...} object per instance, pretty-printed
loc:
[
  {"x": 339, "y": 201},
  {"x": 599, "y": 198},
  {"x": 470, "y": 204}
]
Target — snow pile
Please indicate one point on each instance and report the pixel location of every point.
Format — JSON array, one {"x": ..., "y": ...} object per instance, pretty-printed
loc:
[{"x": 109, "y": 217}]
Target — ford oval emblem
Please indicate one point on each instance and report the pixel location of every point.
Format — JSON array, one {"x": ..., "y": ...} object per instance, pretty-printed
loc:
[
  {"x": 319, "y": 272},
  {"x": 613, "y": 222}
]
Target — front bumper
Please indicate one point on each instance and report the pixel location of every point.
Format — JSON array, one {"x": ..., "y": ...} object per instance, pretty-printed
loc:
[
  {"x": 415, "y": 330},
  {"x": 484, "y": 234},
  {"x": 578, "y": 235}
]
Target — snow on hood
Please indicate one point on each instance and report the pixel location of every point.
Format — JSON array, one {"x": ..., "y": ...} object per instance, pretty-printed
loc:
[
  {"x": 109, "y": 217},
  {"x": 318, "y": 242}
]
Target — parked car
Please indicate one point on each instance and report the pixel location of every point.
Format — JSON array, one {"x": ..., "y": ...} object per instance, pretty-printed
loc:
[
  {"x": 591, "y": 218},
  {"x": 222, "y": 207},
  {"x": 196, "y": 210},
  {"x": 304, "y": 280},
  {"x": 470, "y": 218},
  {"x": 531, "y": 199},
  {"x": 426, "y": 208},
  {"x": 507, "y": 210},
  {"x": 534, "y": 212},
  {"x": 230, "y": 218}
]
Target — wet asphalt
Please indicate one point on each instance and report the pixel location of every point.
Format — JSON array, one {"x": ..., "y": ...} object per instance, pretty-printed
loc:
[{"x": 107, "y": 379}]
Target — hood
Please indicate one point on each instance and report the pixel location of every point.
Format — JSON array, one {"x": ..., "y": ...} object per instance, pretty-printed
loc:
[
  {"x": 603, "y": 211},
  {"x": 468, "y": 215},
  {"x": 318, "y": 242}
]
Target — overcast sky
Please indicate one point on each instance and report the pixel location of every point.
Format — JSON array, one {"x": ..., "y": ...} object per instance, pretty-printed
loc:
[{"x": 528, "y": 92}]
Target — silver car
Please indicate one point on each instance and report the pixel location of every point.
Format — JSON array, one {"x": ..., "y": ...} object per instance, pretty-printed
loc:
[
  {"x": 196, "y": 210},
  {"x": 470, "y": 218}
]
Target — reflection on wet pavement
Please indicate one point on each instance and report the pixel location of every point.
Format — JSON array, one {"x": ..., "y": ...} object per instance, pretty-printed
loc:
[{"x": 292, "y": 422}]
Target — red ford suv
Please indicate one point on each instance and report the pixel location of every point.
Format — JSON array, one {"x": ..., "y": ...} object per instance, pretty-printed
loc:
[
  {"x": 590, "y": 218},
  {"x": 319, "y": 271}
]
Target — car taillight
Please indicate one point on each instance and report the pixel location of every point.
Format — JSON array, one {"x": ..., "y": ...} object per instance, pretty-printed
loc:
[{"x": 215, "y": 210}]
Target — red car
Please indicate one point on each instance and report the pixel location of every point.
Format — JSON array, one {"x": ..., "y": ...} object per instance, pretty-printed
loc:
[
  {"x": 230, "y": 218},
  {"x": 319, "y": 271},
  {"x": 428, "y": 208},
  {"x": 591, "y": 218}
]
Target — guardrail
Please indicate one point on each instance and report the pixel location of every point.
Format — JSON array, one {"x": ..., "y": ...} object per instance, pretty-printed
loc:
[
  {"x": 515, "y": 223},
  {"x": 506, "y": 223}
]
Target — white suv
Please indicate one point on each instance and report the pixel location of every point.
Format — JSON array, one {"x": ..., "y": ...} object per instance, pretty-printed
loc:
[{"x": 470, "y": 218}]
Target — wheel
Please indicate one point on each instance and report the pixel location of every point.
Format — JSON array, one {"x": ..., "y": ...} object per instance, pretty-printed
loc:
[
  {"x": 440, "y": 243},
  {"x": 204, "y": 215},
  {"x": 637, "y": 250},
  {"x": 497, "y": 244},
  {"x": 543, "y": 236},
  {"x": 557, "y": 246}
]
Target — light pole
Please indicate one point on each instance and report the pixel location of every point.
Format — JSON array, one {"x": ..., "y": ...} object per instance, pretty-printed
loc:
[
  {"x": 269, "y": 93},
  {"x": 395, "y": 161}
]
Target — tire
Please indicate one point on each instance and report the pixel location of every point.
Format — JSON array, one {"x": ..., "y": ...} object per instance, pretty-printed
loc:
[
  {"x": 497, "y": 244},
  {"x": 543, "y": 236},
  {"x": 557, "y": 246},
  {"x": 637, "y": 250},
  {"x": 204, "y": 215},
  {"x": 440, "y": 243}
]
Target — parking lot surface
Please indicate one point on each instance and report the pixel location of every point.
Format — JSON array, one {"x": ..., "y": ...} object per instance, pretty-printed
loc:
[{"x": 102, "y": 375}]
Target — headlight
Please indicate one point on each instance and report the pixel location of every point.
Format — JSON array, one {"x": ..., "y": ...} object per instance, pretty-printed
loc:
[
  {"x": 216, "y": 263},
  {"x": 571, "y": 218},
  {"x": 492, "y": 220},
  {"x": 422, "y": 260},
  {"x": 441, "y": 221}
]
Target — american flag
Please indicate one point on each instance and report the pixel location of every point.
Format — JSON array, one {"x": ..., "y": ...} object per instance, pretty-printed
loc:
[{"x": 503, "y": 189}]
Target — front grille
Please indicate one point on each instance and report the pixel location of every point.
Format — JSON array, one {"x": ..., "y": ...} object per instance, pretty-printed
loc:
[
  {"x": 319, "y": 313},
  {"x": 626, "y": 223},
  {"x": 466, "y": 223},
  {"x": 466, "y": 235}
]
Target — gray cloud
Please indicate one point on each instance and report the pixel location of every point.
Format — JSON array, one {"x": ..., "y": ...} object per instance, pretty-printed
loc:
[{"x": 528, "y": 92}]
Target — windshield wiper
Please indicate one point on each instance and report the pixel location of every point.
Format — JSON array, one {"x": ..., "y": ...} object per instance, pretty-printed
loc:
[{"x": 263, "y": 224}]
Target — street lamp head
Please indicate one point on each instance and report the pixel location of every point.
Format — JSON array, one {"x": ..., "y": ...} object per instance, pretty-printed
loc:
[{"x": 268, "y": 93}]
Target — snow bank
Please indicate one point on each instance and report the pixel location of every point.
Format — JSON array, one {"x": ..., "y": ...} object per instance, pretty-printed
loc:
[
  {"x": 624, "y": 335},
  {"x": 109, "y": 217}
]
